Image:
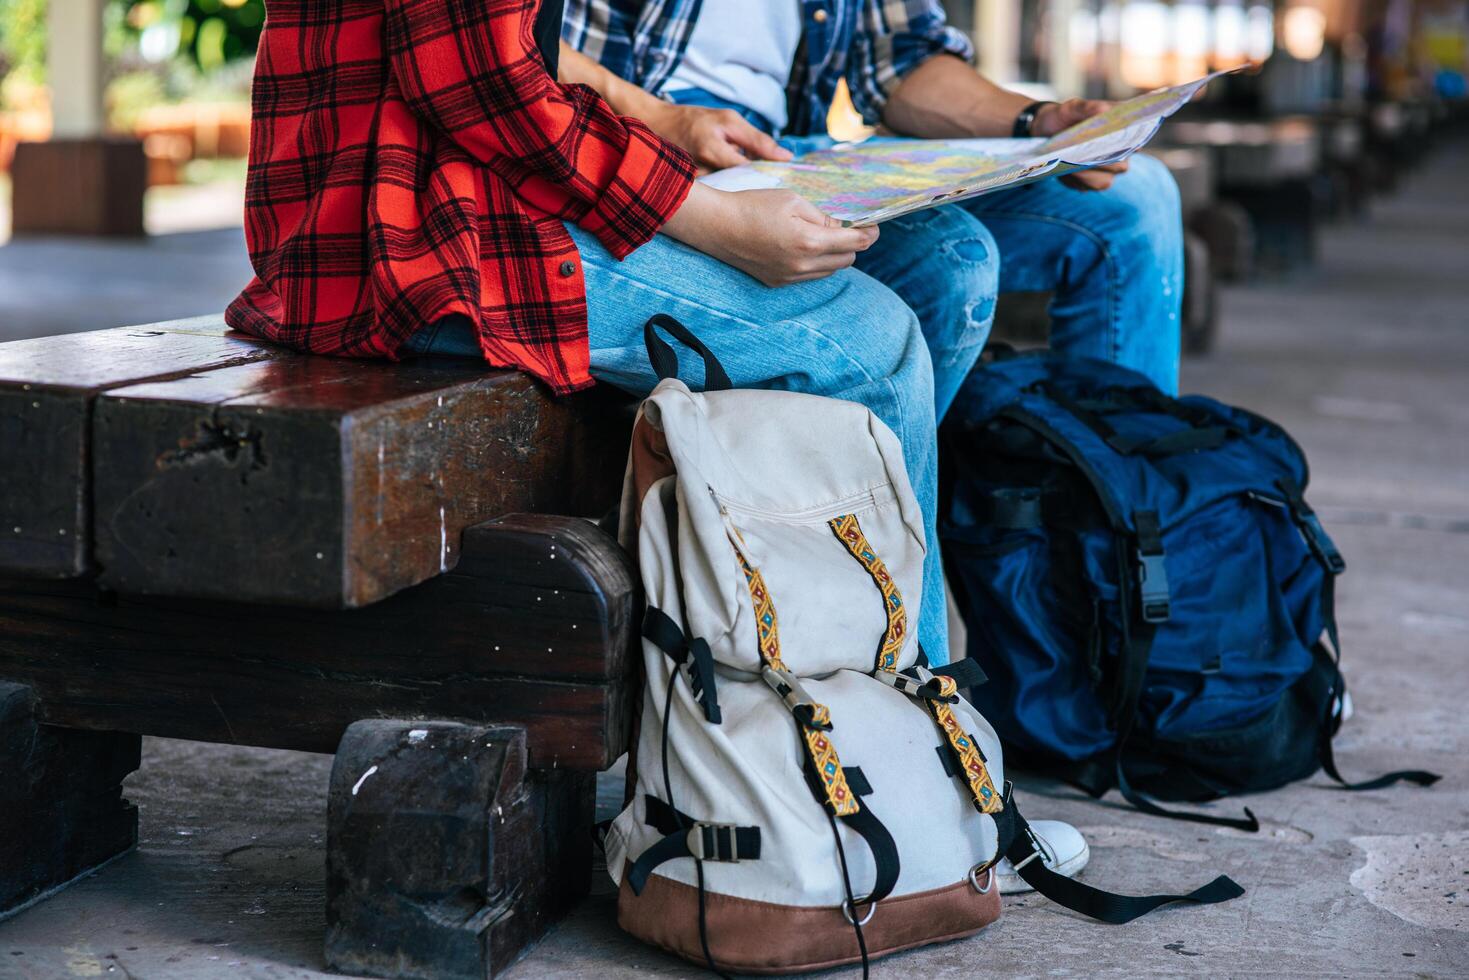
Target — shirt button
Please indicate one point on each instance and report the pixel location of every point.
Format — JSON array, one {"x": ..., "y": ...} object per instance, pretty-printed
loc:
[
  {"x": 568, "y": 269},
  {"x": 819, "y": 16}
]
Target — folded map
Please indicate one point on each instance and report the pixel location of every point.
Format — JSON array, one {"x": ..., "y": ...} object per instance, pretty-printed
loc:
[{"x": 883, "y": 177}]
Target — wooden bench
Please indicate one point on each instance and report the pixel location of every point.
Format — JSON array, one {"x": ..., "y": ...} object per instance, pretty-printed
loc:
[{"x": 206, "y": 537}]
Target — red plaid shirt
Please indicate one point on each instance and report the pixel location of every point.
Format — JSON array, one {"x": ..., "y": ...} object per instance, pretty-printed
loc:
[{"x": 411, "y": 159}]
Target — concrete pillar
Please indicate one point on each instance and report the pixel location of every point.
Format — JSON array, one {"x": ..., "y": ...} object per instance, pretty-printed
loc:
[
  {"x": 74, "y": 68},
  {"x": 1065, "y": 71},
  {"x": 997, "y": 34}
]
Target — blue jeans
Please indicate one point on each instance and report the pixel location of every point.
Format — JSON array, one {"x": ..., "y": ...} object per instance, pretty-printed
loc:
[
  {"x": 846, "y": 336},
  {"x": 1112, "y": 260}
]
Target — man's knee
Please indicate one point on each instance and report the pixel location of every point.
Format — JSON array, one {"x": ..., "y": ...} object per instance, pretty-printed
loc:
[
  {"x": 1147, "y": 206},
  {"x": 946, "y": 265},
  {"x": 970, "y": 268}
]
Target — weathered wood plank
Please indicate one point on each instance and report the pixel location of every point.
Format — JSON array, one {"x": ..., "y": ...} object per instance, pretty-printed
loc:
[
  {"x": 534, "y": 627},
  {"x": 334, "y": 483},
  {"x": 446, "y": 858},
  {"x": 47, "y": 386},
  {"x": 61, "y": 806}
]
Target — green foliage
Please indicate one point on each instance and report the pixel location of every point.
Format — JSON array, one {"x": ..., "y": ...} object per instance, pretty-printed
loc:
[
  {"x": 23, "y": 39},
  {"x": 210, "y": 33},
  {"x": 130, "y": 94}
]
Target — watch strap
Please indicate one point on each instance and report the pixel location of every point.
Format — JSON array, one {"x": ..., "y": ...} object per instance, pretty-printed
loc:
[{"x": 1026, "y": 119}]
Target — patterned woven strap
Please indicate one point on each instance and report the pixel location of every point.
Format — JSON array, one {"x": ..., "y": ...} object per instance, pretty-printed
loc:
[
  {"x": 839, "y": 798},
  {"x": 849, "y": 533},
  {"x": 971, "y": 759},
  {"x": 976, "y": 773}
]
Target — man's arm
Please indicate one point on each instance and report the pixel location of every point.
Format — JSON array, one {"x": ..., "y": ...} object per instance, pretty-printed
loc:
[
  {"x": 715, "y": 138},
  {"x": 945, "y": 98}
]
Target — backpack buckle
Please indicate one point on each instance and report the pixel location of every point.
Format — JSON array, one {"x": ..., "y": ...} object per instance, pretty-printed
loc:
[
  {"x": 802, "y": 705},
  {"x": 1318, "y": 541},
  {"x": 724, "y": 842},
  {"x": 1310, "y": 527},
  {"x": 1152, "y": 574},
  {"x": 1153, "y": 585}
]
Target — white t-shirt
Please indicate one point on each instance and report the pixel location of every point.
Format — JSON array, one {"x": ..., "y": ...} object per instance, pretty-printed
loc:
[{"x": 742, "y": 51}]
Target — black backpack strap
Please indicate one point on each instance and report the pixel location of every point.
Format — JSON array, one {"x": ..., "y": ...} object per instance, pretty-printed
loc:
[
  {"x": 1019, "y": 844},
  {"x": 693, "y": 655},
  {"x": 1151, "y": 611},
  {"x": 685, "y": 837},
  {"x": 665, "y": 360},
  {"x": 1203, "y": 432},
  {"x": 874, "y": 834},
  {"x": 966, "y": 672}
]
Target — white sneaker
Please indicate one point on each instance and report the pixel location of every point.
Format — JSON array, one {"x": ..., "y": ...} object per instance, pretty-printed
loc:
[{"x": 1063, "y": 850}]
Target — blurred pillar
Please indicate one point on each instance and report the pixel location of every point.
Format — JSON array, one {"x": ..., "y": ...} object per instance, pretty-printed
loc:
[
  {"x": 74, "y": 68},
  {"x": 997, "y": 35},
  {"x": 82, "y": 181},
  {"x": 1066, "y": 72}
]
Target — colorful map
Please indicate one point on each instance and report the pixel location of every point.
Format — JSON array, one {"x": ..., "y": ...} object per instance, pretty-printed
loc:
[{"x": 881, "y": 178}]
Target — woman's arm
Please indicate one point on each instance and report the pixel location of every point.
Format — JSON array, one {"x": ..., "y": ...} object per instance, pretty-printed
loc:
[
  {"x": 458, "y": 62},
  {"x": 775, "y": 236},
  {"x": 464, "y": 66}
]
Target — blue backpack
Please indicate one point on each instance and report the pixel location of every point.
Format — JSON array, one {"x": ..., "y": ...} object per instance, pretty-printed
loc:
[{"x": 1143, "y": 582}]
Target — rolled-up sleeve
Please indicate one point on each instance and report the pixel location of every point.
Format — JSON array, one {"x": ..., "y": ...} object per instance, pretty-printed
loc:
[
  {"x": 469, "y": 68},
  {"x": 892, "y": 38}
]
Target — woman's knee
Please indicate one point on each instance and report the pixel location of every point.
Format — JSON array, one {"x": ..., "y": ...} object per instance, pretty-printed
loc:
[{"x": 877, "y": 345}]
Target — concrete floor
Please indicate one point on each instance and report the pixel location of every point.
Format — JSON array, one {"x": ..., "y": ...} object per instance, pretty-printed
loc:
[{"x": 1366, "y": 360}]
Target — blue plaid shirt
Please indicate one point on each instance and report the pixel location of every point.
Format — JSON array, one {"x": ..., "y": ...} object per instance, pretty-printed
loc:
[{"x": 873, "y": 44}]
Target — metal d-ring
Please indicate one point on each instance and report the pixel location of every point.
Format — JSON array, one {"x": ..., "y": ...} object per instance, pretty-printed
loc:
[
  {"x": 847, "y": 913},
  {"x": 989, "y": 877}
]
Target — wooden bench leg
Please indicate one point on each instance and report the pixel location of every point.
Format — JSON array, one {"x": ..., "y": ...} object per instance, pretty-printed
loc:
[
  {"x": 62, "y": 813},
  {"x": 446, "y": 857}
]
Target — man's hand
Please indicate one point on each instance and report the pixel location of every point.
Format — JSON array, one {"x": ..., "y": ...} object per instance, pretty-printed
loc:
[
  {"x": 1053, "y": 118},
  {"x": 715, "y": 138}
]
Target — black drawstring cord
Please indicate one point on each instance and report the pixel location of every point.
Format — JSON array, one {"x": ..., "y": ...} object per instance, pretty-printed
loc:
[
  {"x": 678, "y": 818},
  {"x": 851, "y": 899}
]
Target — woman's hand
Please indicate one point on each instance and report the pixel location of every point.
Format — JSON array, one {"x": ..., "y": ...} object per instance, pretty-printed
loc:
[
  {"x": 775, "y": 236},
  {"x": 715, "y": 138}
]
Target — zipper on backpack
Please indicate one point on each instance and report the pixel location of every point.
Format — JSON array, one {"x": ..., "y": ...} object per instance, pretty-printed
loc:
[{"x": 819, "y": 513}]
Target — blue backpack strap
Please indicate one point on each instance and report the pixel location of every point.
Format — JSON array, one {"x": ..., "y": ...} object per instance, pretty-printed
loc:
[
  {"x": 1152, "y": 609},
  {"x": 1325, "y": 552}
]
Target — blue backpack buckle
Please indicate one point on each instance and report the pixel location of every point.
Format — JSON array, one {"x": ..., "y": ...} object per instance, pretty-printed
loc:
[
  {"x": 1152, "y": 573},
  {"x": 1153, "y": 581},
  {"x": 1320, "y": 543}
]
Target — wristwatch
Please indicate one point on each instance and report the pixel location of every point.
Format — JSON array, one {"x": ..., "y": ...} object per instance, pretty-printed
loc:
[{"x": 1026, "y": 119}]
